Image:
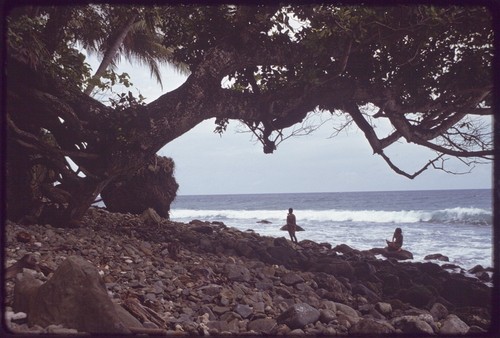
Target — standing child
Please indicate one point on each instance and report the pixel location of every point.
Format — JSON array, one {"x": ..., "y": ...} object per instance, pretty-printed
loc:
[{"x": 291, "y": 225}]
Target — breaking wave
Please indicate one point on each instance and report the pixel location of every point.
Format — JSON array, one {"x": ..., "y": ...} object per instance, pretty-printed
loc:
[{"x": 447, "y": 216}]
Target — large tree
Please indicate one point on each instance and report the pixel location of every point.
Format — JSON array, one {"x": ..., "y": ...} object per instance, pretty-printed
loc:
[{"x": 426, "y": 70}]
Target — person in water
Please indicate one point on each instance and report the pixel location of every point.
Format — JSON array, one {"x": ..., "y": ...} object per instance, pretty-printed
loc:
[
  {"x": 291, "y": 224},
  {"x": 397, "y": 241}
]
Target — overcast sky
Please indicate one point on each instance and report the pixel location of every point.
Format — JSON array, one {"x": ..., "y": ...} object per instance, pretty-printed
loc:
[{"x": 235, "y": 163}]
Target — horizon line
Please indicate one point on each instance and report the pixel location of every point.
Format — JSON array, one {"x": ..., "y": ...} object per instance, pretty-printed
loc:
[{"x": 330, "y": 192}]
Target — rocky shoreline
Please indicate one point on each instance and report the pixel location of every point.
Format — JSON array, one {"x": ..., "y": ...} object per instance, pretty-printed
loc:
[{"x": 163, "y": 277}]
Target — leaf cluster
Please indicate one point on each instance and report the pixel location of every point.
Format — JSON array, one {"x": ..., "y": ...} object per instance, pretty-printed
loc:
[{"x": 425, "y": 68}]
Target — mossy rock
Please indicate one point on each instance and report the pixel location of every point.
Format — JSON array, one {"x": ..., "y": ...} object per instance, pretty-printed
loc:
[{"x": 152, "y": 186}]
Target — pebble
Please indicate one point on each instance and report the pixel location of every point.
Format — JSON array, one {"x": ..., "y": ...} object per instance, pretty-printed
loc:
[{"x": 212, "y": 289}]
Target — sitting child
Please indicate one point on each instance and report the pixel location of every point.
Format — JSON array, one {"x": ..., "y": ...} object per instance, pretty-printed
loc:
[{"x": 397, "y": 241}]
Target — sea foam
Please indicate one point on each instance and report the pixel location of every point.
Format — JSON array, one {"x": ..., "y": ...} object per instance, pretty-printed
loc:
[{"x": 453, "y": 215}]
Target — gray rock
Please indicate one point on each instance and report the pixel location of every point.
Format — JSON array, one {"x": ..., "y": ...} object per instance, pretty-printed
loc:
[
  {"x": 230, "y": 316},
  {"x": 412, "y": 324},
  {"x": 245, "y": 248},
  {"x": 438, "y": 257},
  {"x": 370, "y": 326},
  {"x": 75, "y": 297},
  {"x": 298, "y": 316},
  {"x": 259, "y": 307},
  {"x": 185, "y": 291},
  {"x": 243, "y": 310},
  {"x": 329, "y": 305},
  {"x": 362, "y": 290},
  {"x": 453, "y": 325},
  {"x": 334, "y": 290},
  {"x": 476, "y": 269},
  {"x": 335, "y": 267},
  {"x": 283, "y": 292},
  {"x": 383, "y": 308},
  {"x": 262, "y": 325},
  {"x": 438, "y": 311},
  {"x": 326, "y": 316},
  {"x": 221, "y": 326},
  {"x": 211, "y": 289},
  {"x": 237, "y": 273},
  {"x": 264, "y": 285},
  {"x": 205, "y": 310},
  {"x": 204, "y": 229},
  {"x": 282, "y": 254},
  {"x": 417, "y": 295},
  {"x": 291, "y": 278},
  {"x": 281, "y": 241},
  {"x": 399, "y": 255},
  {"x": 268, "y": 271},
  {"x": 347, "y": 310},
  {"x": 25, "y": 292},
  {"x": 220, "y": 309}
]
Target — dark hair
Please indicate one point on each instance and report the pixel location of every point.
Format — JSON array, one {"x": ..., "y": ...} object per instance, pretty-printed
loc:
[
  {"x": 398, "y": 230},
  {"x": 290, "y": 210}
]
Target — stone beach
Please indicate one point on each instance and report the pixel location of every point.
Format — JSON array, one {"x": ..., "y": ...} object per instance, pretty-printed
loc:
[{"x": 125, "y": 273}]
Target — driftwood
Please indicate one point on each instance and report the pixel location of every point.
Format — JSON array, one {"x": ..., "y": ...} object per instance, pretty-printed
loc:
[
  {"x": 143, "y": 330},
  {"x": 143, "y": 313},
  {"x": 28, "y": 261}
]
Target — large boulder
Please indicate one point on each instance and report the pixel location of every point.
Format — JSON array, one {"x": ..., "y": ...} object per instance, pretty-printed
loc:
[
  {"x": 152, "y": 186},
  {"x": 463, "y": 291},
  {"x": 438, "y": 311},
  {"x": 416, "y": 295},
  {"x": 453, "y": 325},
  {"x": 475, "y": 316},
  {"x": 399, "y": 255},
  {"x": 75, "y": 296},
  {"x": 437, "y": 257}
]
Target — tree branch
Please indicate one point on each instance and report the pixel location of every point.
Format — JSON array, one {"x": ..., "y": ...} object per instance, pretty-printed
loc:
[{"x": 397, "y": 170}]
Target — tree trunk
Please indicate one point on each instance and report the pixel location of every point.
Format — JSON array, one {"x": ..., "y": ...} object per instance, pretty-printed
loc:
[
  {"x": 108, "y": 144},
  {"x": 110, "y": 54},
  {"x": 81, "y": 200}
]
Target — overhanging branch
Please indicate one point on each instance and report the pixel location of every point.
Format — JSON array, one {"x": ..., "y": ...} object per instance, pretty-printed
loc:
[{"x": 399, "y": 171}]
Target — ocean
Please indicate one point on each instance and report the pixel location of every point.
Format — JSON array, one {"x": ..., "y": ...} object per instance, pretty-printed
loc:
[{"x": 454, "y": 223}]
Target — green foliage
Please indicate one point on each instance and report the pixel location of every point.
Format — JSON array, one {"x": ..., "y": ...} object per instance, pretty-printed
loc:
[
  {"x": 126, "y": 100},
  {"x": 419, "y": 51},
  {"x": 27, "y": 43},
  {"x": 221, "y": 126},
  {"x": 23, "y": 39},
  {"x": 426, "y": 70}
]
